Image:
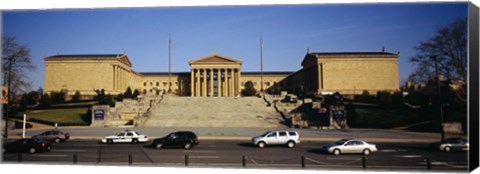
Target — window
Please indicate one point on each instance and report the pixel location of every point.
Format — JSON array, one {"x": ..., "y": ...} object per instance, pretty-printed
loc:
[
  {"x": 292, "y": 133},
  {"x": 129, "y": 134},
  {"x": 282, "y": 134},
  {"x": 151, "y": 83},
  {"x": 273, "y": 134},
  {"x": 144, "y": 83},
  {"x": 144, "y": 91},
  {"x": 165, "y": 83},
  {"x": 267, "y": 83},
  {"x": 157, "y": 83}
]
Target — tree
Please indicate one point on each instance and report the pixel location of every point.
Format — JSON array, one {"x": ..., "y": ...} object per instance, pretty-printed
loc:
[
  {"x": 249, "y": 89},
  {"x": 15, "y": 63},
  {"x": 445, "y": 52},
  {"x": 135, "y": 93},
  {"x": 128, "y": 93}
]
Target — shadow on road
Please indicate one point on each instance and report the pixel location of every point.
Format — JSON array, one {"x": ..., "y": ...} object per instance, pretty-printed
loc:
[{"x": 247, "y": 145}]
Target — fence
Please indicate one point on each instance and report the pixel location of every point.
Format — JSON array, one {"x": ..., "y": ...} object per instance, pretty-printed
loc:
[{"x": 302, "y": 162}]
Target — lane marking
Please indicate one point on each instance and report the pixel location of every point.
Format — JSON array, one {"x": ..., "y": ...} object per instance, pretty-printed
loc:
[
  {"x": 343, "y": 158},
  {"x": 203, "y": 157},
  {"x": 393, "y": 150},
  {"x": 409, "y": 156},
  {"x": 62, "y": 155},
  {"x": 69, "y": 150},
  {"x": 200, "y": 151}
]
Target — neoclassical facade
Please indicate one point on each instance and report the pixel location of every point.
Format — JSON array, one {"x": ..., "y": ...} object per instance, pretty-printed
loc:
[{"x": 217, "y": 75}]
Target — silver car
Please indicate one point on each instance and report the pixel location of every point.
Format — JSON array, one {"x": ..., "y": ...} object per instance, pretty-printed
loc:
[
  {"x": 289, "y": 138},
  {"x": 350, "y": 146},
  {"x": 450, "y": 144}
]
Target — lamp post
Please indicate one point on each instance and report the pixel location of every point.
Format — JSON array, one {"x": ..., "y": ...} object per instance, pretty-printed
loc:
[{"x": 434, "y": 58}]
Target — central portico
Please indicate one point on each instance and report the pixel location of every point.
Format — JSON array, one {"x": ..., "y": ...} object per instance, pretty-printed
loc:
[{"x": 215, "y": 75}]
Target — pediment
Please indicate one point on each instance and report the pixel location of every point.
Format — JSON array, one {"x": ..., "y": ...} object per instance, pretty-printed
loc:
[{"x": 215, "y": 58}]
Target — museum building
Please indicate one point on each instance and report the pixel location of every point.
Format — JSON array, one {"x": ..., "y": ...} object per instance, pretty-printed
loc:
[{"x": 221, "y": 76}]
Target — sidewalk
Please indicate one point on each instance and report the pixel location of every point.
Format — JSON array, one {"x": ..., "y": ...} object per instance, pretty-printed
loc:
[{"x": 245, "y": 134}]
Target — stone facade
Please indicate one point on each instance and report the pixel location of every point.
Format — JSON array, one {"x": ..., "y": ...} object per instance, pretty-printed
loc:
[{"x": 217, "y": 75}]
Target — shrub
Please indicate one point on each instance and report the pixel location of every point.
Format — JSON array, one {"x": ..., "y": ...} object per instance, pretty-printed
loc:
[
  {"x": 45, "y": 101},
  {"x": 249, "y": 89},
  {"x": 58, "y": 97},
  {"x": 76, "y": 97}
]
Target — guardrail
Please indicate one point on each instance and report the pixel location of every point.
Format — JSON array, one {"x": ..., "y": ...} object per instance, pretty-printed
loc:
[{"x": 302, "y": 162}]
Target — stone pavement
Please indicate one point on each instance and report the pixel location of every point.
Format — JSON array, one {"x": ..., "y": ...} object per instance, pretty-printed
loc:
[{"x": 245, "y": 134}]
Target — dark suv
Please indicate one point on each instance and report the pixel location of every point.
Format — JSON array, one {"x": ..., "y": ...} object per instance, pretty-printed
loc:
[{"x": 185, "y": 139}]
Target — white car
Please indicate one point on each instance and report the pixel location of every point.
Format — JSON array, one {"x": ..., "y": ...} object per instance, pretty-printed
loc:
[
  {"x": 290, "y": 138},
  {"x": 126, "y": 137},
  {"x": 350, "y": 146}
]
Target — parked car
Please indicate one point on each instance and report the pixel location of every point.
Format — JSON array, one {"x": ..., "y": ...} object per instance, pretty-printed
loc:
[
  {"x": 350, "y": 146},
  {"x": 282, "y": 137},
  {"x": 185, "y": 139},
  {"x": 30, "y": 145},
  {"x": 126, "y": 137},
  {"x": 53, "y": 136},
  {"x": 450, "y": 144}
]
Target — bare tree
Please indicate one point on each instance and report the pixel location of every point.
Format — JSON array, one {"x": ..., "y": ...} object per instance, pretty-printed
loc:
[
  {"x": 15, "y": 63},
  {"x": 448, "y": 51}
]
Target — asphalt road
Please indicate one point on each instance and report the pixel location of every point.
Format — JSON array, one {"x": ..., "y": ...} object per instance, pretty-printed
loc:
[{"x": 226, "y": 153}]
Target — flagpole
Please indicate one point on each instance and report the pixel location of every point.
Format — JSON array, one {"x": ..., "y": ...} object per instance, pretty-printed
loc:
[
  {"x": 169, "y": 64},
  {"x": 261, "y": 65}
]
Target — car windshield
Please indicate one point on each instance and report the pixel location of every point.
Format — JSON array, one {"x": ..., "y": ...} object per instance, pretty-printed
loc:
[
  {"x": 265, "y": 134},
  {"x": 341, "y": 142}
]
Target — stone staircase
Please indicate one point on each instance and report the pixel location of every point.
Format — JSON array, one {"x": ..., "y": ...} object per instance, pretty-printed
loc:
[{"x": 213, "y": 112}]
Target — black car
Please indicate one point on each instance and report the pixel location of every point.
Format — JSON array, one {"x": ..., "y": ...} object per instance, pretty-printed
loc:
[
  {"x": 30, "y": 145},
  {"x": 185, "y": 139}
]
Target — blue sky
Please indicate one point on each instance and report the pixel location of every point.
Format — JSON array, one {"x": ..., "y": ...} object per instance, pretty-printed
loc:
[{"x": 234, "y": 31}]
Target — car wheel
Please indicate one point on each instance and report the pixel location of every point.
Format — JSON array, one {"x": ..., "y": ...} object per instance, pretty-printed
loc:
[
  {"x": 109, "y": 141},
  {"x": 158, "y": 145},
  {"x": 336, "y": 152},
  {"x": 57, "y": 140},
  {"x": 134, "y": 141},
  {"x": 32, "y": 150},
  {"x": 291, "y": 144},
  {"x": 366, "y": 151},
  {"x": 261, "y": 144},
  {"x": 188, "y": 146},
  {"x": 447, "y": 149}
]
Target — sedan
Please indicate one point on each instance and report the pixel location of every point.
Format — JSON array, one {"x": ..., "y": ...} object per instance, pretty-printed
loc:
[
  {"x": 450, "y": 144},
  {"x": 350, "y": 146},
  {"x": 30, "y": 145},
  {"x": 54, "y": 136},
  {"x": 126, "y": 137}
]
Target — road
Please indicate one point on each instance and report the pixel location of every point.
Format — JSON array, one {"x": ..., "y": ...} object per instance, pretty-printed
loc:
[{"x": 229, "y": 153}]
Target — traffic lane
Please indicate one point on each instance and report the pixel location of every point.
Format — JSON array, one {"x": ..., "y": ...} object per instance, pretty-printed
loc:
[{"x": 232, "y": 152}]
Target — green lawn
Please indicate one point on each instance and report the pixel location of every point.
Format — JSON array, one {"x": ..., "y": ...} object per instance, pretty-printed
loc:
[
  {"x": 369, "y": 116},
  {"x": 67, "y": 116}
]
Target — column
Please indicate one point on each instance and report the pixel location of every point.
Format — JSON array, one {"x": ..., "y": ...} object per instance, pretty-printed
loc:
[
  {"x": 231, "y": 82},
  {"x": 219, "y": 81},
  {"x": 211, "y": 82},
  {"x": 225, "y": 78},
  {"x": 238, "y": 81},
  {"x": 113, "y": 77},
  {"x": 204, "y": 85},
  {"x": 192, "y": 74},
  {"x": 197, "y": 83}
]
